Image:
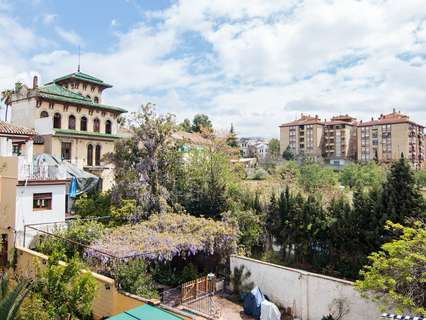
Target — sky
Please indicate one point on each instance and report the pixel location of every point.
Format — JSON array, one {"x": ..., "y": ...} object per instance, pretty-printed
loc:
[{"x": 253, "y": 63}]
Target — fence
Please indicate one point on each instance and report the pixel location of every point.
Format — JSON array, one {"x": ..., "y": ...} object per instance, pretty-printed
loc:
[{"x": 309, "y": 295}]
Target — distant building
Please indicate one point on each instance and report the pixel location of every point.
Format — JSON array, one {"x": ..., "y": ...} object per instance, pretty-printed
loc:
[
  {"x": 71, "y": 119},
  {"x": 391, "y": 135},
  {"x": 254, "y": 147},
  {"x": 339, "y": 144},
  {"x": 302, "y": 136}
]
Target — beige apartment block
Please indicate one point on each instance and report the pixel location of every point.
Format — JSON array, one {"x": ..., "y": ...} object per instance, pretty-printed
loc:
[
  {"x": 71, "y": 121},
  {"x": 340, "y": 139},
  {"x": 303, "y": 136},
  {"x": 391, "y": 135}
]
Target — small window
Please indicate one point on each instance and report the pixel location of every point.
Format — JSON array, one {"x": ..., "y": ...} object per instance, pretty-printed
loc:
[
  {"x": 66, "y": 150},
  {"x": 108, "y": 127},
  {"x": 44, "y": 114},
  {"x": 57, "y": 121},
  {"x": 88, "y": 97},
  {"x": 84, "y": 86},
  {"x": 51, "y": 105},
  {"x": 96, "y": 125},
  {"x": 96, "y": 100},
  {"x": 83, "y": 124},
  {"x": 98, "y": 155},
  {"x": 90, "y": 155},
  {"x": 42, "y": 201},
  {"x": 71, "y": 122},
  {"x": 16, "y": 149}
]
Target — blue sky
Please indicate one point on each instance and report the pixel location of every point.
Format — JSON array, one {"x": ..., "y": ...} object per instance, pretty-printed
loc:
[{"x": 253, "y": 63}]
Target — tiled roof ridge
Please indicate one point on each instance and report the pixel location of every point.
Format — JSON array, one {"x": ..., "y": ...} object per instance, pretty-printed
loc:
[
  {"x": 9, "y": 128},
  {"x": 84, "y": 77}
]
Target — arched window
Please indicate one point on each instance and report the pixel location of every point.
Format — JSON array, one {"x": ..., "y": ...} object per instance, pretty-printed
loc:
[
  {"x": 90, "y": 155},
  {"x": 44, "y": 114},
  {"x": 96, "y": 125},
  {"x": 71, "y": 122},
  {"x": 57, "y": 121},
  {"x": 83, "y": 124},
  {"x": 98, "y": 155},
  {"x": 96, "y": 99},
  {"x": 108, "y": 127},
  {"x": 88, "y": 97}
]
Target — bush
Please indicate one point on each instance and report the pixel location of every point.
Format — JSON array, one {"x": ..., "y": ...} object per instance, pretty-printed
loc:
[
  {"x": 288, "y": 170},
  {"x": 93, "y": 205},
  {"x": 259, "y": 174},
  {"x": 359, "y": 176},
  {"x": 133, "y": 277},
  {"x": 125, "y": 213},
  {"x": 189, "y": 273}
]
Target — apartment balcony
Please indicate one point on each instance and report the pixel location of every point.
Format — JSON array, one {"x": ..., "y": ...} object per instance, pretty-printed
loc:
[{"x": 30, "y": 171}]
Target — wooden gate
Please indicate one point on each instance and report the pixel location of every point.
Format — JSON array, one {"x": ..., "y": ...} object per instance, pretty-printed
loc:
[{"x": 195, "y": 288}]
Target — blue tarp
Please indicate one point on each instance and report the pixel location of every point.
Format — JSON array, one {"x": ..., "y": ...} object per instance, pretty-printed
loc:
[{"x": 252, "y": 303}]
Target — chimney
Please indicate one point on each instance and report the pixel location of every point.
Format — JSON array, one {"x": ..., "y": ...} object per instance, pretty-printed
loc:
[
  {"x": 394, "y": 110},
  {"x": 35, "y": 82}
]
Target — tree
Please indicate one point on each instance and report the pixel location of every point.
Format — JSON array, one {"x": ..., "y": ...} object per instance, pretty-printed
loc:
[
  {"x": 62, "y": 291},
  {"x": 11, "y": 300},
  {"x": 274, "y": 149},
  {"x": 358, "y": 176},
  {"x": 201, "y": 122},
  {"x": 288, "y": 154},
  {"x": 185, "y": 125},
  {"x": 231, "y": 139},
  {"x": 396, "y": 275},
  {"x": 145, "y": 164},
  {"x": 401, "y": 196}
]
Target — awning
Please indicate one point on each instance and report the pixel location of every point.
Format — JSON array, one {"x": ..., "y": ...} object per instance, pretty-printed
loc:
[{"x": 145, "y": 312}]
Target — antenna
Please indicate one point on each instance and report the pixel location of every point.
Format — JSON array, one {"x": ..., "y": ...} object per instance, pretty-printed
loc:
[{"x": 78, "y": 68}]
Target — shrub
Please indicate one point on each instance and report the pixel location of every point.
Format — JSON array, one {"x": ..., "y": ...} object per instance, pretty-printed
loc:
[
  {"x": 259, "y": 174},
  {"x": 189, "y": 273},
  {"x": 239, "y": 278},
  {"x": 133, "y": 277},
  {"x": 93, "y": 205}
]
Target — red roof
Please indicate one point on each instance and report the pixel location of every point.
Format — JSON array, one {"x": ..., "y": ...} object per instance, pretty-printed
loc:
[
  {"x": 304, "y": 120},
  {"x": 7, "y": 128},
  {"x": 391, "y": 118}
]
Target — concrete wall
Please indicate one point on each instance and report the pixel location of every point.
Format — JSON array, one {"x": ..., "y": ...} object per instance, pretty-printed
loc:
[
  {"x": 8, "y": 179},
  {"x": 25, "y": 214},
  {"x": 108, "y": 300},
  {"x": 309, "y": 295}
]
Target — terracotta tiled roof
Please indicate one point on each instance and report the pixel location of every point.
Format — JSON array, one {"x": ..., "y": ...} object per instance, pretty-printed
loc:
[
  {"x": 193, "y": 138},
  {"x": 304, "y": 120},
  {"x": 391, "y": 118},
  {"x": 10, "y": 129}
]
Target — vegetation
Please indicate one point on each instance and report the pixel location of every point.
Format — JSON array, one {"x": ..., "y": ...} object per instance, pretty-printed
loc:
[
  {"x": 240, "y": 280},
  {"x": 96, "y": 204},
  {"x": 420, "y": 177},
  {"x": 259, "y": 174},
  {"x": 274, "y": 149},
  {"x": 231, "y": 139},
  {"x": 358, "y": 176},
  {"x": 11, "y": 300},
  {"x": 61, "y": 292},
  {"x": 288, "y": 154},
  {"x": 133, "y": 277},
  {"x": 396, "y": 275}
]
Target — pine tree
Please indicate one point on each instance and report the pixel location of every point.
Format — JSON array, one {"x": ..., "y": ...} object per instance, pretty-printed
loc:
[
  {"x": 401, "y": 197},
  {"x": 232, "y": 140}
]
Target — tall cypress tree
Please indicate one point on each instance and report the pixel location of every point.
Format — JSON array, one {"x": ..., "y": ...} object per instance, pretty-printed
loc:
[{"x": 401, "y": 196}]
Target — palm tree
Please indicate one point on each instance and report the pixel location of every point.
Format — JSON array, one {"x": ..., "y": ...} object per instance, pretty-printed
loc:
[
  {"x": 6, "y": 95},
  {"x": 11, "y": 300}
]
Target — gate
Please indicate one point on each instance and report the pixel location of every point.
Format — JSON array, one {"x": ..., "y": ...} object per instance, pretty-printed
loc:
[{"x": 193, "y": 289}]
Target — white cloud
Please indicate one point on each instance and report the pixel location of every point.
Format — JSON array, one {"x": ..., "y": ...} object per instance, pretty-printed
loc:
[
  {"x": 49, "y": 18},
  {"x": 114, "y": 23},
  {"x": 261, "y": 62},
  {"x": 69, "y": 36}
]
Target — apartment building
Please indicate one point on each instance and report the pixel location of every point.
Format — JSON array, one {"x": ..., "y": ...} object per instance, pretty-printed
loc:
[
  {"x": 71, "y": 120},
  {"x": 339, "y": 144},
  {"x": 303, "y": 136},
  {"x": 391, "y": 135}
]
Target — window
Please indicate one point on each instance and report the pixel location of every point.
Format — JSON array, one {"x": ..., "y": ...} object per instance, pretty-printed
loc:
[
  {"x": 16, "y": 149},
  {"x": 44, "y": 114},
  {"x": 96, "y": 125},
  {"x": 83, "y": 124},
  {"x": 108, "y": 126},
  {"x": 71, "y": 122},
  {"x": 84, "y": 86},
  {"x": 98, "y": 155},
  {"x": 96, "y": 99},
  {"x": 90, "y": 155},
  {"x": 51, "y": 105},
  {"x": 66, "y": 150},
  {"x": 42, "y": 201},
  {"x": 88, "y": 97},
  {"x": 57, "y": 121}
]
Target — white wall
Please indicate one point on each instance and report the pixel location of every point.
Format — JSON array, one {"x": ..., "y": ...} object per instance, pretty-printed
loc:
[
  {"x": 26, "y": 215},
  {"x": 309, "y": 295}
]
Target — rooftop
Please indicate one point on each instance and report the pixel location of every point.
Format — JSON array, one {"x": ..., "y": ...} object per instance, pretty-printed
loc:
[
  {"x": 395, "y": 117},
  {"x": 83, "y": 77},
  {"x": 303, "y": 120},
  {"x": 59, "y": 93},
  {"x": 7, "y": 128}
]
